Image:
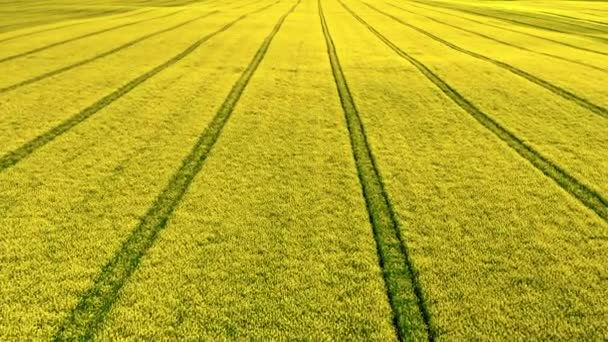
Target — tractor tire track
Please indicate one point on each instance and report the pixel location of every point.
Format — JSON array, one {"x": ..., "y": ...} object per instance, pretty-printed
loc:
[
  {"x": 93, "y": 306},
  {"x": 42, "y": 22},
  {"x": 411, "y": 316},
  {"x": 524, "y": 23},
  {"x": 591, "y": 21},
  {"x": 555, "y": 19},
  {"x": 10, "y": 159},
  {"x": 570, "y": 184},
  {"x": 523, "y": 48},
  {"x": 71, "y": 24},
  {"x": 99, "y": 56},
  {"x": 90, "y": 34},
  {"x": 561, "y": 92},
  {"x": 508, "y": 29},
  {"x": 245, "y": 4}
]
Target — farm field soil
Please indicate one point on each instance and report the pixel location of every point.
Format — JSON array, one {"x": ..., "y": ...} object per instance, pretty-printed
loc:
[{"x": 303, "y": 169}]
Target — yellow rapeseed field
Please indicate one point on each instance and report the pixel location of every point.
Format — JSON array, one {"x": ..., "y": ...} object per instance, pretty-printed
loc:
[{"x": 371, "y": 170}]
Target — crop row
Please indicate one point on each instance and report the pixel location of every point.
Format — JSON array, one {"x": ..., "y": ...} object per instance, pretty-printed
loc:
[{"x": 418, "y": 308}]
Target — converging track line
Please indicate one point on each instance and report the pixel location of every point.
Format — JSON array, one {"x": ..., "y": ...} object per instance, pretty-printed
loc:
[
  {"x": 411, "y": 315},
  {"x": 101, "y": 55},
  {"x": 523, "y": 48},
  {"x": 105, "y": 17},
  {"x": 555, "y": 19},
  {"x": 15, "y": 156},
  {"x": 563, "y": 93},
  {"x": 580, "y": 191},
  {"x": 438, "y": 10},
  {"x": 524, "y": 23},
  {"x": 93, "y": 306},
  {"x": 90, "y": 34},
  {"x": 19, "y": 26},
  {"x": 577, "y": 18}
]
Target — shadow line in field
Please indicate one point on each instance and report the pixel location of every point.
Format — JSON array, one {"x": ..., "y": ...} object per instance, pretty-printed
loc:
[
  {"x": 580, "y": 191},
  {"x": 95, "y": 303},
  {"x": 411, "y": 316}
]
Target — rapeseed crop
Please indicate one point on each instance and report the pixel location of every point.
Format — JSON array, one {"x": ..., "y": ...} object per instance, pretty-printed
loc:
[{"x": 303, "y": 169}]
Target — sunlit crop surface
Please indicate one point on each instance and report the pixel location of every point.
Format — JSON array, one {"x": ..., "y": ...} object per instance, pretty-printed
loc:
[{"x": 303, "y": 170}]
